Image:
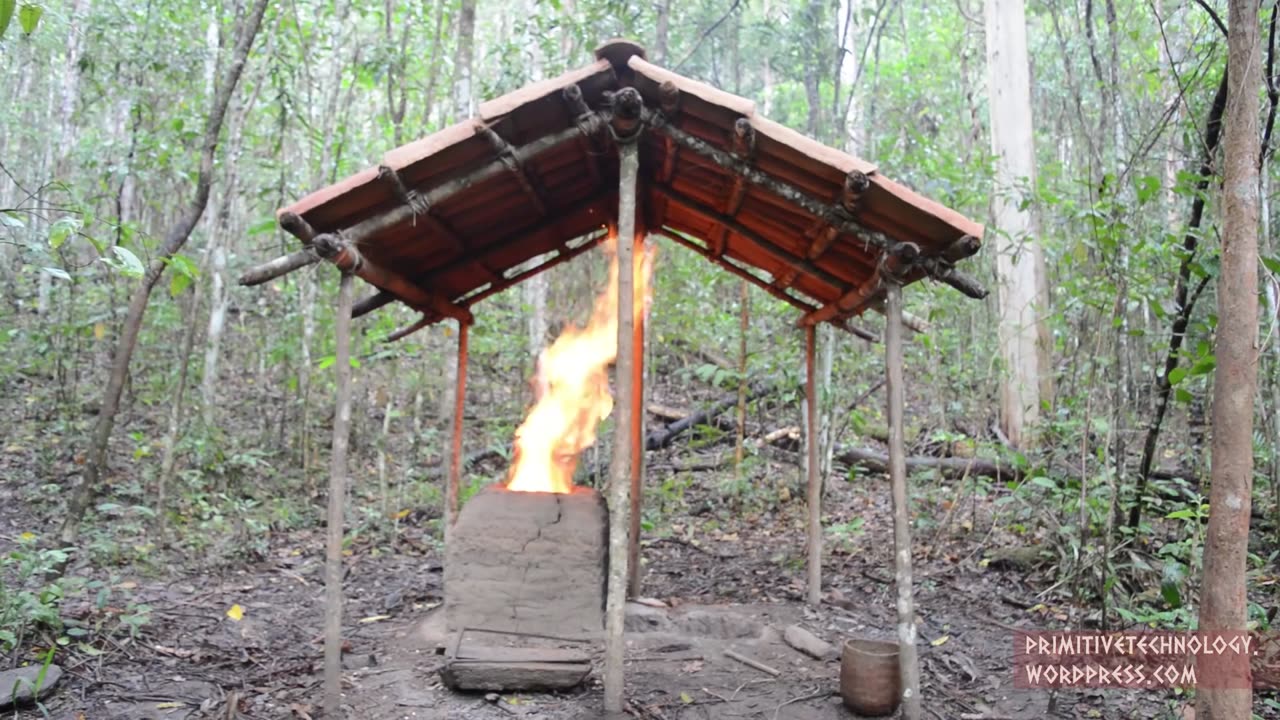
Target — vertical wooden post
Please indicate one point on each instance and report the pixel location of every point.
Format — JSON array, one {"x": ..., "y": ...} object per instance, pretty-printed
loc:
[
  {"x": 454, "y": 477},
  {"x": 620, "y": 470},
  {"x": 908, "y": 663},
  {"x": 337, "y": 499},
  {"x": 813, "y": 476},
  {"x": 637, "y": 428}
]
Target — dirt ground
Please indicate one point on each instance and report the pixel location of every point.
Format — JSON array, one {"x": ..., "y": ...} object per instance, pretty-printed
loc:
[{"x": 733, "y": 583}]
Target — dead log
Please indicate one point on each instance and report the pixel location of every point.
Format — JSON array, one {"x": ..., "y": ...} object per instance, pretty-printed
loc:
[
  {"x": 951, "y": 467},
  {"x": 662, "y": 438}
]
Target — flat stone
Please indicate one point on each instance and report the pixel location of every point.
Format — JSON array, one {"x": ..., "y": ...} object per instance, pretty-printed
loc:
[
  {"x": 18, "y": 686},
  {"x": 808, "y": 643}
]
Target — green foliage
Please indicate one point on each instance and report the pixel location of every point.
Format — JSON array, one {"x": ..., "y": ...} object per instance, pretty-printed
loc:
[{"x": 28, "y": 602}]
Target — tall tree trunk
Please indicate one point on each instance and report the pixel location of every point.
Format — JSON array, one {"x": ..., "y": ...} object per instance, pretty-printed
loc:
[
  {"x": 661, "y": 33},
  {"x": 1019, "y": 260},
  {"x": 83, "y": 494},
  {"x": 1223, "y": 590},
  {"x": 463, "y": 96}
]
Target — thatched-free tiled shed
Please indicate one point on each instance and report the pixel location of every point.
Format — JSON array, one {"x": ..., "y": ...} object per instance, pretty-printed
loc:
[{"x": 538, "y": 176}]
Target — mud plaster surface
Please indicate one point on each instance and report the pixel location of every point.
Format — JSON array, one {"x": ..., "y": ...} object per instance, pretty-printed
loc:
[{"x": 528, "y": 562}]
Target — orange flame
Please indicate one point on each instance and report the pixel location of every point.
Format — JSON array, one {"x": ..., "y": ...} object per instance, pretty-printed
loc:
[{"x": 572, "y": 387}]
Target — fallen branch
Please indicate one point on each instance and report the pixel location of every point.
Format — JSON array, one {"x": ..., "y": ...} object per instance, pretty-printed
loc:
[
  {"x": 662, "y": 438},
  {"x": 749, "y": 662}
]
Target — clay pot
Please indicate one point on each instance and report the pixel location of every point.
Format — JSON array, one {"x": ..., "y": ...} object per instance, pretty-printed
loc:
[{"x": 869, "y": 681}]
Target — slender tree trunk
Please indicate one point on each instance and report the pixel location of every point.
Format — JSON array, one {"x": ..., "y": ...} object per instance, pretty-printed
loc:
[
  {"x": 169, "y": 458},
  {"x": 463, "y": 99},
  {"x": 1019, "y": 261},
  {"x": 96, "y": 467},
  {"x": 1223, "y": 590},
  {"x": 335, "y": 516},
  {"x": 744, "y": 310}
]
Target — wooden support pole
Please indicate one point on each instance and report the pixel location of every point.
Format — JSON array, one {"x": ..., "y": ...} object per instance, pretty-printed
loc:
[
  {"x": 908, "y": 662},
  {"x": 620, "y": 469},
  {"x": 637, "y": 423},
  {"x": 453, "y": 480},
  {"x": 337, "y": 499},
  {"x": 811, "y": 467}
]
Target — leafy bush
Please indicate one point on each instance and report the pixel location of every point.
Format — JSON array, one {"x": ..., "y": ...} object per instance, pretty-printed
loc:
[{"x": 27, "y": 601}]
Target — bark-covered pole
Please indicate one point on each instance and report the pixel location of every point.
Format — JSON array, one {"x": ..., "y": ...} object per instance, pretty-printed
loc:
[
  {"x": 908, "y": 662},
  {"x": 453, "y": 479},
  {"x": 636, "y": 443},
  {"x": 620, "y": 469},
  {"x": 337, "y": 499},
  {"x": 1223, "y": 601},
  {"x": 811, "y": 467}
]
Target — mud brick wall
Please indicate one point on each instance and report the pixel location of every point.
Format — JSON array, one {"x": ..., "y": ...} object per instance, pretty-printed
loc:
[{"x": 528, "y": 562}]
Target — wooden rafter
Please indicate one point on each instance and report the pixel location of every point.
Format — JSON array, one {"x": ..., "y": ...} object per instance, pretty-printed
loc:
[
  {"x": 482, "y": 255},
  {"x": 563, "y": 255},
  {"x": 516, "y": 165},
  {"x": 752, "y": 237},
  {"x": 836, "y": 216},
  {"x": 422, "y": 208}
]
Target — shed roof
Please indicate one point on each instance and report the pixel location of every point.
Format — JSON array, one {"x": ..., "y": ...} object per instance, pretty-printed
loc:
[{"x": 531, "y": 181}]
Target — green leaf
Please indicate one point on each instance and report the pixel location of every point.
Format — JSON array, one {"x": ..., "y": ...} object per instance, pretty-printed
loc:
[
  {"x": 1270, "y": 263},
  {"x": 58, "y": 273},
  {"x": 263, "y": 226},
  {"x": 184, "y": 265},
  {"x": 325, "y": 362},
  {"x": 6, "y": 14},
  {"x": 1204, "y": 365},
  {"x": 1182, "y": 396},
  {"x": 9, "y": 219},
  {"x": 29, "y": 17},
  {"x": 61, "y": 230},
  {"x": 1171, "y": 582},
  {"x": 1044, "y": 482},
  {"x": 177, "y": 283},
  {"x": 125, "y": 261},
  {"x": 1176, "y": 375}
]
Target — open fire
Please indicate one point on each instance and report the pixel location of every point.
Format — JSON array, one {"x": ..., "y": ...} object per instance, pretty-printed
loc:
[{"x": 572, "y": 388}]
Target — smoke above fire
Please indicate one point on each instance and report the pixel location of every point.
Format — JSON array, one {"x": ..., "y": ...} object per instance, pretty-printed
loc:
[{"x": 571, "y": 393}]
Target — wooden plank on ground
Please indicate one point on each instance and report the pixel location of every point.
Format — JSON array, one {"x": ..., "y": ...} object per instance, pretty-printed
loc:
[{"x": 504, "y": 676}]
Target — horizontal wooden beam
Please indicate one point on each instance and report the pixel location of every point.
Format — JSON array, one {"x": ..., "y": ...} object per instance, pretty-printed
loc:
[
  {"x": 422, "y": 209},
  {"x": 752, "y": 237},
  {"x": 371, "y": 303},
  {"x": 408, "y": 330},
  {"x": 563, "y": 256},
  {"x": 835, "y": 216},
  {"x": 281, "y": 266},
  {"x": 857, "y": 299},
  {"x": 343, "y": 253}
]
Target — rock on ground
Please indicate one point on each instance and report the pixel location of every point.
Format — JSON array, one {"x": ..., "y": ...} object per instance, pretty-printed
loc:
[{"x": 18, "y": 686}]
